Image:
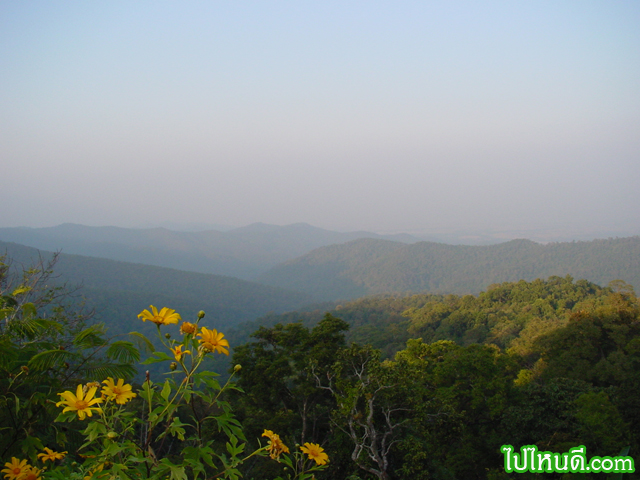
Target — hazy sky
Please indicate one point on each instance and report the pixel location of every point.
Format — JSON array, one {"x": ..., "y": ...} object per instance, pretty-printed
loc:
[{"x": 383, "y": 116}]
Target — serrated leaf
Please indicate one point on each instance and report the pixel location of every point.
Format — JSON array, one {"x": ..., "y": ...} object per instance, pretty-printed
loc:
[
  {"x": 177, "y": 471},
  {"x": 176, "y": 428}
]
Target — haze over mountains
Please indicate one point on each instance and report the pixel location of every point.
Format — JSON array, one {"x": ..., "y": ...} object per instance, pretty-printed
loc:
[
  {"x": 244, "y": 252},
  {"x": 308, "y": 264},
  {"x": 118, "y": 291}
]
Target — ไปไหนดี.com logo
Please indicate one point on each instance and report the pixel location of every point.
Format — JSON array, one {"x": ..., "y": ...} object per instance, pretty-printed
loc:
[{"x": 575, "y": 461}]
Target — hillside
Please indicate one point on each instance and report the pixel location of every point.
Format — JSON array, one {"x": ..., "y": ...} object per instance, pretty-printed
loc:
[
  {"x": 548, "y": 362},
  {"x": 243, "y": 252},
  {"x": 370, "y": 266},
  {"x": 119, "y": 291},
  {"x": 510, "y": 314}
]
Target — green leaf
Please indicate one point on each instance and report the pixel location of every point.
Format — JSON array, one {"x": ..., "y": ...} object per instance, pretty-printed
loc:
[
  {"x": 159, "y": 357},
  {"x": 144, "y": 343},
  {"x": 177, "y": 471},
  {"x": 113, "y": 449},
  {"x": 21, "y": 289},
  {"x": 232, "y": 446},
  {"x": 29, "y": 310},
  {"x": 147, "y": 391},
  {"x": 166, "y": 390},
  {"x": 123, "y": 351},
  {"x": 66, "y": 417},
  {"x": 92, "y": 336},
  {"x": 101, "y": 372},
  {"x": 51, "y": 358},
  {"x": 94, "y": 429},
  {"x": 176, "y": 429},
  {"x": 31, "y": 445}
]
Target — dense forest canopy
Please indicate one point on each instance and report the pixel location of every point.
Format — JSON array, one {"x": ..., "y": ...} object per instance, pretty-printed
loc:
[{"x": 550, "y": 362}]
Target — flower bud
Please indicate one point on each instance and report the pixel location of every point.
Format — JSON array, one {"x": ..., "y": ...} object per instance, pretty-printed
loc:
[
  {"x": 167, "y": 336},
  {"x": 25, "y": 369},
  {"x": 173, "y": 366},
  {"x": 112, "y": 435},
  {"x": 200, "y": 314},
  {"x": 237, "y": 368}
]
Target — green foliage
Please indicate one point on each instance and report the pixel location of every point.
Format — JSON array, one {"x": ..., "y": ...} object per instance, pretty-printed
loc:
[
  {"x": 598, "y": 346},
  {"x": 47, "y": 345},
  {"x": 549, "y": 362},
  {"x": 278, "y": 379},
  {"x": 179, "y": 428},
  {"x": 510, "y": 315},
  {"x": 457, "y": 396}
]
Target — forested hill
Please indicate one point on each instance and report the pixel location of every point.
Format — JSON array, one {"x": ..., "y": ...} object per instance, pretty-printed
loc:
[
  {"x": 243, "y": 252},
  {"x": 370, "y": 266},
  {"x": 119, "y": 290},
  {"x": 510, "y": 314}
]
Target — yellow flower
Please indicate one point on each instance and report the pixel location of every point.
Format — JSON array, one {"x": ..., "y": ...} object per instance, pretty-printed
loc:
[
  {"x": 315, "y": 452},
  {"x": 187, "y": 327},
  {"x": 51, "y": 455},
  {"x": 79, "y": 402},
  {"x": 275, "y": 445},
  {"x": 178, "y": 353},
  {"x": 32, "y": 473},
  {"x": 212, "y": 340},
  {"x": 165, "y": 316},
  {"x": 15, "y": 468},
  {"x": 93, "y": 470},
  {"x": 119, "y": 392}
]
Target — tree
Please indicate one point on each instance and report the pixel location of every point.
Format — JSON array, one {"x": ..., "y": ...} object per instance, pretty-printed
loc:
[
  {"x": 276, "y": 375},
  {"x": 457, "y": 396},
  {"x": 47, "y": 345},
  {"x": 370, "y": 405}
]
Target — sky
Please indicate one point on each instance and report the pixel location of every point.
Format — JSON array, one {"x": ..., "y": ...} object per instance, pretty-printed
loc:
[{"x": 413, "y": 116}]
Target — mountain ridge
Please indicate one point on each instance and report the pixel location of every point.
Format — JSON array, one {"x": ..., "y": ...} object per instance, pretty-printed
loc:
[
  {"x": 243, "y": 252},
  {"x": 369, "y": 266},
  {"x": 122, "y": 289}
]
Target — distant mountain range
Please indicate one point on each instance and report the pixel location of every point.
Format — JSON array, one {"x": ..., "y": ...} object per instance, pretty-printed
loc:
[
  {"x": 244, "y": 252},
  {"x": 118, "y": 291},
  {"x": 318, "y": 264},
  {"x": 371, "y": 266}
]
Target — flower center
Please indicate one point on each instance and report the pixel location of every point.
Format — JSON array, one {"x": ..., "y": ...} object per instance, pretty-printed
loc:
[
  {"x": 81, "y": 404},
  {"x": 17, "y": 470}
]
